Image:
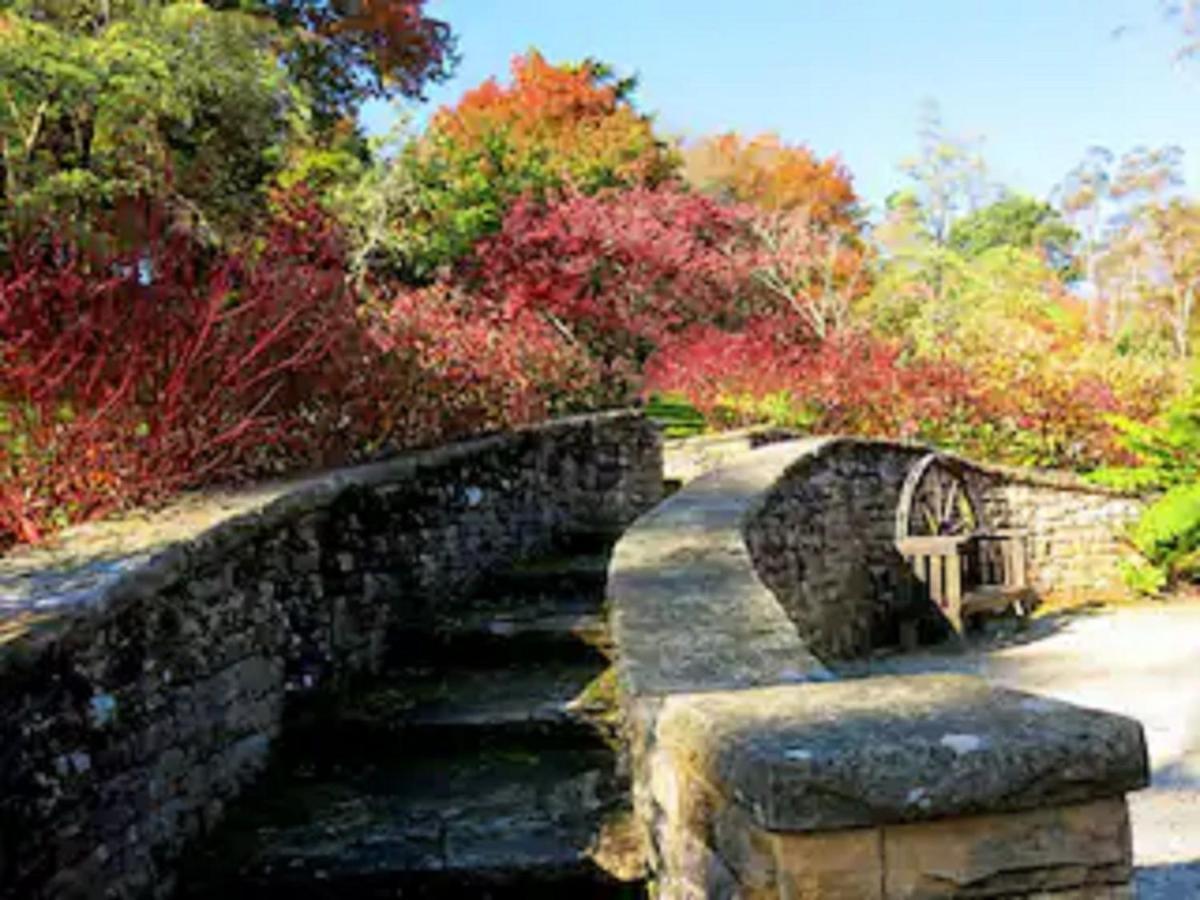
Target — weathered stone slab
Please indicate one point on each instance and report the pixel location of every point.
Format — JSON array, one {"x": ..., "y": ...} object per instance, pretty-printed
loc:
[
  {"x": 898, "y": 749},
  {"x": 1077, "y": 848}
]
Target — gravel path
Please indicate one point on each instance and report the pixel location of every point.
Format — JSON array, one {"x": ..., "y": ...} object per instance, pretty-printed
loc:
[{"x": 1142, "y": 661}]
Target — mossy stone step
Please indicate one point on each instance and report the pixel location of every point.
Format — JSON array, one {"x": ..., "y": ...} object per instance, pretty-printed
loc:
[
  {"x": 536, "y": 704},
  {"x": 481, "y": 764},
  {"x": 566, "y": 575},
  {"x": 505, "y": 630},
  {"x": 546, "y": 824}
]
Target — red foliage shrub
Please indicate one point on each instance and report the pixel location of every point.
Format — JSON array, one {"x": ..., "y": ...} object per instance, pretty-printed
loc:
[
  {"x": 848, "y": 383},
  {"x": 124, "y": 379},
  {"x": 1049, "y": 418},
  {"x": 856, "y": 384},
  {"x": 620, "y": 272},
  {"x": 482, "y": 370}
]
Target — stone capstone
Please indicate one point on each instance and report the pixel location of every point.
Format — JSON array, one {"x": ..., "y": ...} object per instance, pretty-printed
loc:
[{"x": 889, "y": 750}]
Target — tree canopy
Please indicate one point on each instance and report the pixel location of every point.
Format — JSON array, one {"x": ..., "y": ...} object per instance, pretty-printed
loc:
[
  {"x": 1020, "y": 222},
  {"x": 196, "y": 106},
  {"x": 770, "y": 174},
  {"x": 552, "y": 127}
]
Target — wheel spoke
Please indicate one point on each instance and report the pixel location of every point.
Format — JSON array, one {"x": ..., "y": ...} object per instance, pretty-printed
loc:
[
  {"x": 949, "y": 516},
  {"x": 929, "y": 515},
  {"x": 936, "y": 500}
]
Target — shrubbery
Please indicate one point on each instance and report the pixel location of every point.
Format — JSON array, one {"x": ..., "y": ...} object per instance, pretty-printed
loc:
[
  {"x": 1167, "y": 457},
  {"x": 126, "y": 378},
  {"x": 847, "y": 383},
  {"x": 539, "y": 249}
]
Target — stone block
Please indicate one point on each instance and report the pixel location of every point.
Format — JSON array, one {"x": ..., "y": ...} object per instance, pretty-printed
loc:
[
  {"x": 748, "y": 851},
  {"x": 819, "y": 757},
  {"x": 1077, "y": 847},
  {"x": 834, "y": 865}
]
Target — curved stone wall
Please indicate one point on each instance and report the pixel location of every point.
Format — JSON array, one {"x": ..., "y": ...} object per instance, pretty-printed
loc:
[
  {"x": 145, "y": 665},
  {"x": 822, "y": 536},
  {"x": 757, "y": 775}
]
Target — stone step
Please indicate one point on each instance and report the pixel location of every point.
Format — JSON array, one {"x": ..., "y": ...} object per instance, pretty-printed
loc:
[
  {"x": 511, "y": 825},
  {"x": 536, "y": 703},
  {"x": 589, "y": 541},
  {"x": 571, "y": 575},
  {"x": 505, "y": 630}
]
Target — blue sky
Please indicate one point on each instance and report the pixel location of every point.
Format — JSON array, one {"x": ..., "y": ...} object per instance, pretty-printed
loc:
[{"x": 1039, "y": 80}]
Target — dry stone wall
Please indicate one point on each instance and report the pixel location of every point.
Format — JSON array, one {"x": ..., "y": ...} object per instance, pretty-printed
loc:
[
  {"x": 1076, "y": 532},
  {"x": 823, "y": 538},
  {"x": 143, "y": 678}
]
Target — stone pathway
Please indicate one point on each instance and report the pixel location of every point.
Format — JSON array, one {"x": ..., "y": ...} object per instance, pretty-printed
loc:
[{"x": 1141, "y": 661}]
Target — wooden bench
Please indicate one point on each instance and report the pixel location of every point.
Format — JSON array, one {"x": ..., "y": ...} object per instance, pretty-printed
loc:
[
  {"x": 955, "y": 561},
  {"x": 964, "y": 575}
]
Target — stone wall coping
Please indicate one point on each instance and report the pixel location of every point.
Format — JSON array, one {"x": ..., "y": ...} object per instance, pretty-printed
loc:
[
  {"x": 760, "y": 434},
  {"x": 1053, "y": 478},
  {"x": 87, "y": 570},
  {"x": 688, "y": 610},
  {"x": 896, "y": 749}
]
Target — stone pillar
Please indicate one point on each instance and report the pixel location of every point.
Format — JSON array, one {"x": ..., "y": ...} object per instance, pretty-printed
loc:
[{"x": 889, "y": 788}]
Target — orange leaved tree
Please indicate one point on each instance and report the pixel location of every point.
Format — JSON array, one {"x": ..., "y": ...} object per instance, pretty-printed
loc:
[
  {"x": 552, "y": 127},
  {"x": 774, "y": 176}
]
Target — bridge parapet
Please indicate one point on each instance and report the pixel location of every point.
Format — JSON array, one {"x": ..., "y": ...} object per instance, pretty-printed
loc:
[{"x": 145, "y": 664}]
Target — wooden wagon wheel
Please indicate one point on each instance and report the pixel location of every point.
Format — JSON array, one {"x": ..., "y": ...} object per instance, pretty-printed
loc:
[{"x": 937, "y": 501}]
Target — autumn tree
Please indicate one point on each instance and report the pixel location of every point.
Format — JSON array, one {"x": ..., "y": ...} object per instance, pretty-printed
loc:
[
  {"x": 948, "y": 173},
  {"x": 805, "y": 215},
  {"x": 774, "y": 176},
  {"x": 619, "y": 271},
  {"x": 552, "y": 127},
  {"x": 356, "y": 50},
  {"x": 1105, "y": 197},
  {"x": 1174, "y": 233},
  {"x": 814, "y": 270}
]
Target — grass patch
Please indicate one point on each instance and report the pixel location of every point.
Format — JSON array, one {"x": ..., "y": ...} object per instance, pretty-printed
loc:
[{"x": 678, "y": 417}]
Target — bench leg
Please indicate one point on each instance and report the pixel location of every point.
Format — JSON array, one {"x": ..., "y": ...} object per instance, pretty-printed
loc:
[{"x": 952, "y": 608}]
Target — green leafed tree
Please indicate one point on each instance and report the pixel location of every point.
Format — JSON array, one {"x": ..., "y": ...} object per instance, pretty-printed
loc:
[
  {"x": 175, "y": 102},
  {"x": 198, "y": 107},
  {"x": 1020, "y": 222}
]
